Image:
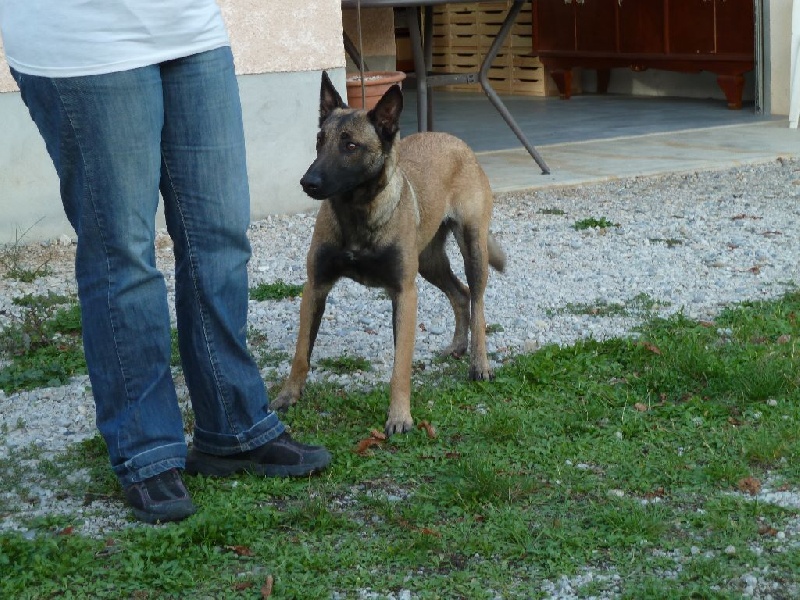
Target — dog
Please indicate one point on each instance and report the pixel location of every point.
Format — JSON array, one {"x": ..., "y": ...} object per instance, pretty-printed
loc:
[{"x": 388, "y": 206}]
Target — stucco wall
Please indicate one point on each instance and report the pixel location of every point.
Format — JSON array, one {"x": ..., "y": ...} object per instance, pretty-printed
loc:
[
  {"x": 377, "y": 37},
  {"x": 271, "y": 37},
  {"x": 278, "y": 36}
]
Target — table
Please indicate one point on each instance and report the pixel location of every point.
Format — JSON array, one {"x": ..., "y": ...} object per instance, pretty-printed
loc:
[{"x": 422, "y": 50}]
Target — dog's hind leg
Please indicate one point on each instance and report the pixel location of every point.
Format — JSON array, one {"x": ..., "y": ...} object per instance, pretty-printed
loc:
[
  {"x": 312, "y": 307},
  {"x": 434, "y": 266},
  {"x": 473, "y": 242}
]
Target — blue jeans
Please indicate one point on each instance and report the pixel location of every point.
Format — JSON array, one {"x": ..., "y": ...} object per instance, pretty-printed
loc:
[{"x": 116, "y": 140}]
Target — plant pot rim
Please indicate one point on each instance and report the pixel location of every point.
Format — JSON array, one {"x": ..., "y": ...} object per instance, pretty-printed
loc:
[{"x": 375, "y": 77}]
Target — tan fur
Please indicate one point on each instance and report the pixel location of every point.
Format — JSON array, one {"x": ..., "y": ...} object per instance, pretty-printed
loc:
[{"x": 427, "y": 180}]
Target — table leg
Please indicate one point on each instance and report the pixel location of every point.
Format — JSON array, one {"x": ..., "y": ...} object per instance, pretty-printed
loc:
[
  {"x": 420, "y": 68},
  {"x": 428, "y": 48},
  {"x": 483, "y": 77}
]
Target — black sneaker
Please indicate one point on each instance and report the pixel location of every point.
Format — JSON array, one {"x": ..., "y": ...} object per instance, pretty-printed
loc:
[
  {"x": 160, "y": 498},
  {"x": 282, "y": 457}
]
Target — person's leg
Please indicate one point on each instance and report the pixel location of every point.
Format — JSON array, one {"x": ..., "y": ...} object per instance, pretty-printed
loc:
[
  {"x": 207, "y": 206},
  {"x": 104, "y": 134}
]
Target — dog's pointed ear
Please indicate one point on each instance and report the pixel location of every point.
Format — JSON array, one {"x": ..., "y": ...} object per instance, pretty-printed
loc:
[
  {"x": 329, "y": 99},
  {"x": 386, "y": 114}
]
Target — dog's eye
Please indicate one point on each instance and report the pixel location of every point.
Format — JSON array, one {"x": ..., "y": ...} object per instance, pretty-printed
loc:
[
  {"x": 320, "y": 139},
  {"x": 350, "y": 146}
]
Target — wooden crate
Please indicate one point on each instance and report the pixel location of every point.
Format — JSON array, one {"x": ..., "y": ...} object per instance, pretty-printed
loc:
[
  {"x": 475, "y": 25},
  {"x": 463, "y": 33}
]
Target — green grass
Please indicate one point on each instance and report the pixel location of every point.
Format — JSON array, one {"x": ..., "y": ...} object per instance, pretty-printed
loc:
[
  {"x": 640, "y": 305},
  {"x": 592, "y": 222},
  {"x": 342, "y": 365},
  {"x": 620, "y": 457},
  {"x": 668, "y": 242},
  {"x": 277, "y": 290},
  {"x": 43, "y": 345}
]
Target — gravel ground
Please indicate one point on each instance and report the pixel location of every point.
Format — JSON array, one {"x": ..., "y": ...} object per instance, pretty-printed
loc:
[{"x": 693, "y": 242}]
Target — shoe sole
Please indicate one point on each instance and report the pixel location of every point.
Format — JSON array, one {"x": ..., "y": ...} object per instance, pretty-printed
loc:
[
  {"x": 177, "y": 512},
  {"x": 212, "y": 466}
]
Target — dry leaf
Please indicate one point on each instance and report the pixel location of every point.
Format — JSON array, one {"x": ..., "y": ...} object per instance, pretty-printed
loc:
[
  {"x": 706, "y": 323},
  {"x": 266, "y": 589},
  {"x": 640, "y": 407},
  {"x": 755, "y": 269},
  {"x": 242, "y": 585},
  {"x": 749, "y": 485},
  {"x": 378, "y": 435},
  {"x": 69, "y": 530},
  {"x": 422, "y": 530},
  {"x": 764, "y": 529},
  {"x": 651, "y": 347},
  {"x": 240, "y": 550},
  {"x": 429, "y": 429},
  {"x": 428, "y": 531},
  {"x": 366, "y": 444},
  {"x": 734, "y": 421},
  {"x": 658, "y": 493},
  {"x": 784, "y": 339}
]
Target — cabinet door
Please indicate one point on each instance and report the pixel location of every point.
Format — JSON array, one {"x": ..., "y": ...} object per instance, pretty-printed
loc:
[
  {"x": 641, "y": 27},
  {"x": 691, "y": 26},
  {"x": 735, "y": 27},
  {"x": 554, "y": 25},
  {"x": 596, "y": 25}
]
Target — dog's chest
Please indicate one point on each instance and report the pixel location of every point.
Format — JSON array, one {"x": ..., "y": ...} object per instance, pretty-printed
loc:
[{"x": 373, "y": 266}]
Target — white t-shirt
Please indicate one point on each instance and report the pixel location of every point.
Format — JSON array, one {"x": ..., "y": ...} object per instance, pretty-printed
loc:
[{"x": 68, "y": 38}]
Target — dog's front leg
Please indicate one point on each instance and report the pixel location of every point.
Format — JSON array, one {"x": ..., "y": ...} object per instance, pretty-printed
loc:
[
  {"x": 404, "y": 309},
  {"x": 312, "y": 307}
]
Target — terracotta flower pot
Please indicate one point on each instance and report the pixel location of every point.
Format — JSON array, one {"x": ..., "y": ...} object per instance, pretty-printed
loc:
[{"x": 375, "y": 85}]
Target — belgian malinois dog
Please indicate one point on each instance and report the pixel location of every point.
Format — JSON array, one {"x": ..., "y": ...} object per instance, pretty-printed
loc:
[{"x": 388, "y": 205}]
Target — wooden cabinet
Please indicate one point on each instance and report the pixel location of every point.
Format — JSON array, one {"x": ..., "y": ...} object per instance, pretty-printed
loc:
[{"x": 676, "y": 35}]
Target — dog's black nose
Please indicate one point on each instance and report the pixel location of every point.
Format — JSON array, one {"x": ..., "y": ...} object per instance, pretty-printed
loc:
[{"x": 311, "y": 185}]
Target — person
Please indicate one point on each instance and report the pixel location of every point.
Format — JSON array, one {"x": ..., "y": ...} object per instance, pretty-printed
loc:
[{"x": 134, "y": 98}]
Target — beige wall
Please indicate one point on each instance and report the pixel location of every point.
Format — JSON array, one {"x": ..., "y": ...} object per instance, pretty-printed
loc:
[
  {"x": 780, "y": 34},
  {"x": 273, "y": 36},
  {"x": 377, "y": 37},
  {"x": 6, "y": 82},
  {"x": 276, "y": 36}
]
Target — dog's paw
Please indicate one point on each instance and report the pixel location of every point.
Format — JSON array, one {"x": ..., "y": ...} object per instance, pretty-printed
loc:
[
  {"x": 454, "y": 350},
  {"x": 282, "y": 402},
  {"x": 481, "y": 374},
  {"x": 399, "y": 425}
]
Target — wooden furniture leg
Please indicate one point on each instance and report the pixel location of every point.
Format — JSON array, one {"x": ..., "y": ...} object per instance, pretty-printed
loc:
[
  {"x": 603, "y": 77},
  {"x": 732, "y": 86},
  {"x": 563, "y": 80}
]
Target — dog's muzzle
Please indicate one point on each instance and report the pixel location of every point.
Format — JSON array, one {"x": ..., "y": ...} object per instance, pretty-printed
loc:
[{"x": 312, "y": 185}]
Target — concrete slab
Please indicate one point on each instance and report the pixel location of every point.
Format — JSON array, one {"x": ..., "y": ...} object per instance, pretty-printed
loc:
[{"x": 576, "y": 163}]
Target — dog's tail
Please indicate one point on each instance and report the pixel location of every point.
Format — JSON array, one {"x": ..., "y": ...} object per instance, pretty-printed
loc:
[{"x": 497, "y": 257}]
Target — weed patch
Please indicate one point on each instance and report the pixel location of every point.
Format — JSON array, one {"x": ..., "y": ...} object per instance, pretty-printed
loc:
[
  {"x": 593, "y": 223},
  {"x": 43, "y": 344},
  {"x": 275, "y": 291},
  {"x": 341, "y": 365}
]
